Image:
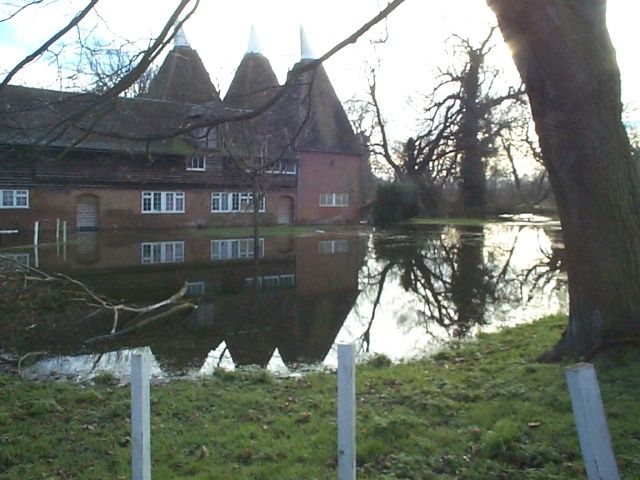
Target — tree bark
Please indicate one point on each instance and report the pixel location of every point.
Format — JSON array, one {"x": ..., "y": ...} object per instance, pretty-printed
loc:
[
  {"x": 474, "y": 182},
  {"x": 565, "y": 57}
]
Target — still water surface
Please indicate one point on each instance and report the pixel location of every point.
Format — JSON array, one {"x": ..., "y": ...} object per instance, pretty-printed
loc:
[{"x": 401, "y": 293}]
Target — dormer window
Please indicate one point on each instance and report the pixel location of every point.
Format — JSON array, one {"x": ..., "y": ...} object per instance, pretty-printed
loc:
[{"x": 197, "y": 163}]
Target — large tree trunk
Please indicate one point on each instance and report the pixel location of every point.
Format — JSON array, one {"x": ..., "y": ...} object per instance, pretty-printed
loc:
[
  {"x": 564, "y": 54},
  {"x": 471, "y": 167}
]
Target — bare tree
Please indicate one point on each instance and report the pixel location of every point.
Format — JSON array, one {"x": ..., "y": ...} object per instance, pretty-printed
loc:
[
  {"x": 107, "y": 63},
  {"x": 458, "y": 128},
  {"x": 518, "y": 141},
  {"x": 474, "y": 86}
]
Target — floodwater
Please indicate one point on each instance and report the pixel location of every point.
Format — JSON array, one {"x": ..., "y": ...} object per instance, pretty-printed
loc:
[{"x": 401, "y": 293}]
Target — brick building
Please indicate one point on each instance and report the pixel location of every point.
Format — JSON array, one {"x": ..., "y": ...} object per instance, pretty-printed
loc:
[{"x": 105, "y": 163}]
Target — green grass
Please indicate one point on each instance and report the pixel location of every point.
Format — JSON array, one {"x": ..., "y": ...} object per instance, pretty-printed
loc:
[
  {"x": 275, "y": 230},
  {"x": 452, "y": 221},
  {"x": 482, "y": 410}
]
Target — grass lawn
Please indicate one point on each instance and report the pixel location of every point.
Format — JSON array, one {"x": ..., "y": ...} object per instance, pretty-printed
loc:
[
  {"x": 452, "y": 221},
  {"x": 276, "y": 230},
  {"x": 482, "y": 410}
]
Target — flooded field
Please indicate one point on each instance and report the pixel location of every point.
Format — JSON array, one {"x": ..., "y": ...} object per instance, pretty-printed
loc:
[{"x": 401, "y": 293}]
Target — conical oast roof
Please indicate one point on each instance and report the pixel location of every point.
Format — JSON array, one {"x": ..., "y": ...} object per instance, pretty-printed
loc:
[
  {"x": 313, "y": 100},
  {"x": 182, "y": 78},
  {"x": 253, "y": 84},
  {"x": 254, "y": 81}
]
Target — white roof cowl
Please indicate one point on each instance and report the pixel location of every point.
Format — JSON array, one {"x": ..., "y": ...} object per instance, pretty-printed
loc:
[
  {"x": 180, "y": 40},
  {"x": 306, "y": 52},
  {"x": 254, "y": 44}
]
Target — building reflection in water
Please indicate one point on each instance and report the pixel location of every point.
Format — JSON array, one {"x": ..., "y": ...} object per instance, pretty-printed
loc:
[
  {"x": 400, "y": 294},
  {"x": 286, "y": 306}
]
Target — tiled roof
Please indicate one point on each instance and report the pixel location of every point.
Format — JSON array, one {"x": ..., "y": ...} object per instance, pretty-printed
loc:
[
  {"x": 37, "y": 117},
  {"x": 313, "y": 101},
  {"x": 309, "y": 107},
  {"x": 182, "y": 78},
  {"x": 253, "y": 83}
]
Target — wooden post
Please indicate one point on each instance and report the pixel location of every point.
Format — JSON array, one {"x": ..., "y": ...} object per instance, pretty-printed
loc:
[
  {"x": 140, "y": 418},
  {"x": 57, "y": 230},
  {"x": 346, "y": 412},
  {"x": 64, "y": 231},
  {"x": 593, "y": 431},
  {"x": 36, "y": 232}
]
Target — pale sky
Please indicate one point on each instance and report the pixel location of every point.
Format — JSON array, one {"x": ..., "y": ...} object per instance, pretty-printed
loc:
[{"x": 219, "y": 31}]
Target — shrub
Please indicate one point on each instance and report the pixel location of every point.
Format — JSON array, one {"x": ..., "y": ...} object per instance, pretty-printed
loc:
[{"x": 395, "y": 201}]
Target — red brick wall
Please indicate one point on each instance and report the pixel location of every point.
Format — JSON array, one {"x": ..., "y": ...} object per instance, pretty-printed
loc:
[
  {"x": 120, "y": 209},
  {"x": 327, "y": 173},
  {"x": 318, "y": 272}
]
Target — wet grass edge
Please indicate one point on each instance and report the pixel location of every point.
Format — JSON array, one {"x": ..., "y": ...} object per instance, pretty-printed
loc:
[{"x": 482, "y": 409}]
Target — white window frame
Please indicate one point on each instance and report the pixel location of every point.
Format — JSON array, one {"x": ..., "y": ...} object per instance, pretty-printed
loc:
[
  {"x": 195, "y": 289},
  {"x": 334, "y": 200},
  {"x": 196, "y": 163},
  {"x": 281, "y": 167},
  {"x": 13, "y": 196},
  {"x": 15, "y": 261},
  {"x": 163, "y": 202},
  {"x": 332, "y": 247},
  {"x": 161, "y": 252},
  {"x": 271, "y": 281},
  {"x": 235, "y": 202},
  {"x": 234, "y": 248}
]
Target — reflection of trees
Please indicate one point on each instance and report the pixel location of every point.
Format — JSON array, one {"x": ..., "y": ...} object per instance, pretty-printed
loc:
[
  {"x": 545, "y": 274},
  {"x": 472, "y": 284},
  {"x": 454, "y": 276},
  {"x": 449, "y": 277},
  {"x": 443, "y": 270}
]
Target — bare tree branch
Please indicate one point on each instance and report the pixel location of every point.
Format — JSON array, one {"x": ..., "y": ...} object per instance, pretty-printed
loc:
[{"x": 45, "y": 46}]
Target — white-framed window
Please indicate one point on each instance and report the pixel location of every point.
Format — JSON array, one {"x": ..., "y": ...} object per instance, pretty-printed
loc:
[
  {"x": 14, "y": 198},
  {"x": 271, "y": 281},
  {"x": 197, "y": 163},
  {"x": 330, "y": 247},
  {"x": 195, "y": 289},
  {"x": 234, "y": 202},
  {"x": 235, "y": 248},
  {"x": 162, "y": 202},
  {"x": 281, "y": 167},
  {"x": 162, "y": 252},
  {"x": 334, "y": 199},
  {"x": 14, "y": 261}
]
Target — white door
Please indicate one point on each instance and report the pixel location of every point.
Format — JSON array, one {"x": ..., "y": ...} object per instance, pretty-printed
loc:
[
  {"x": 87, "y": 213},
  {"x": 285, "y": 210}
]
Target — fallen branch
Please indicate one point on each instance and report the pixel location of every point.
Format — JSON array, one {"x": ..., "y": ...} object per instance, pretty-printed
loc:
[
  {"x": 123, "y": 307},
  {"x": 101, "y": 303},
  {"x": 142, "y": 324},
  {"x": 24, "y": 357}
]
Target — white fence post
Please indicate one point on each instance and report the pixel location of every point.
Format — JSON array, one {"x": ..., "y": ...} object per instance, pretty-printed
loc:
[
  {"x": 57, "y": 230},
  {"x": 64, "y": 231},
  {"x": 140, "y": 418},
  {"x": 346, "y": 412},
  {"x": 593, "y": 431},
  {"x": 36, "y": 232}
]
